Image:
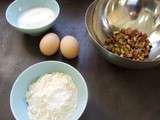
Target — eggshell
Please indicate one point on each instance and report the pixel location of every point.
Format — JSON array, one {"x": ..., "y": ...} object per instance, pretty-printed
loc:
[
  {"x": 49, "y": 44},
  {"x": 69, "y": 47}
]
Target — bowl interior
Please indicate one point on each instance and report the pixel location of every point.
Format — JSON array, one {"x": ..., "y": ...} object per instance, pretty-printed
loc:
[
  {"x": 19, "y": 6},
  {"x": 145, "y": 20},
  {"x": 17, "y": 97}
]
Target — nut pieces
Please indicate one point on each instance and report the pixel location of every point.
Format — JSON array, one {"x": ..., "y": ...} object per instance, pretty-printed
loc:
[{"x": 129, "y": 43}]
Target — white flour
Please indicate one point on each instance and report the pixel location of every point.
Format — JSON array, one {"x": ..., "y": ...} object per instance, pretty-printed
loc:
[
  {"x": 36, "y": 18},
  {"x": 52, "y": 97}
]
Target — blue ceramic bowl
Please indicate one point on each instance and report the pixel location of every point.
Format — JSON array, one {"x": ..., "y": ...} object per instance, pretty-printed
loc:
[
  {"x": 17, "y": 97},
  {"x": 17, "y": 7}
]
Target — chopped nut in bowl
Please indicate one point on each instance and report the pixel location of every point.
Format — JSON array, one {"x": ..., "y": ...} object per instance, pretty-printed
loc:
[{"x": 129, "y": 43}]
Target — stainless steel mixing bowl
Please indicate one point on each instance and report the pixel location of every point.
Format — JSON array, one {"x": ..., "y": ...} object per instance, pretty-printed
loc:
[{"x": 104, "y": 16}]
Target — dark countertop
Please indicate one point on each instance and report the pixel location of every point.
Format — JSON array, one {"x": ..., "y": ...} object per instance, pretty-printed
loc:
[{"x": 114, "y": 93}]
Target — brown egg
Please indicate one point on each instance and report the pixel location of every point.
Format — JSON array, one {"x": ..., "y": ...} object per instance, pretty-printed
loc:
[
  {"x": 69, "y": 47},
  {"x": 49, "y": 44}
]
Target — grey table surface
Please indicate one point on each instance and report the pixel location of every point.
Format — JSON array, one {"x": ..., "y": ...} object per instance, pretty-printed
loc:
[{"x": 114, "y": 93}]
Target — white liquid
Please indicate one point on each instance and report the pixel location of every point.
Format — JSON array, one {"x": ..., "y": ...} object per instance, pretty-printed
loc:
[{"x": 36, "y": 18}]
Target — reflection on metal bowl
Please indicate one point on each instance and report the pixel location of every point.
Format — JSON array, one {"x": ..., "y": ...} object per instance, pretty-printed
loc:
[{"x": 100, "y": 23}]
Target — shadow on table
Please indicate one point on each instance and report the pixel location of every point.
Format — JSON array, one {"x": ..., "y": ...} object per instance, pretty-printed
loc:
[{"x": 94, "y": 112}]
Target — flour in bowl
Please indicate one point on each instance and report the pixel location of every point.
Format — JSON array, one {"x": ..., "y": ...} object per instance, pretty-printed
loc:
[{"x": 52, "y": 97}]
